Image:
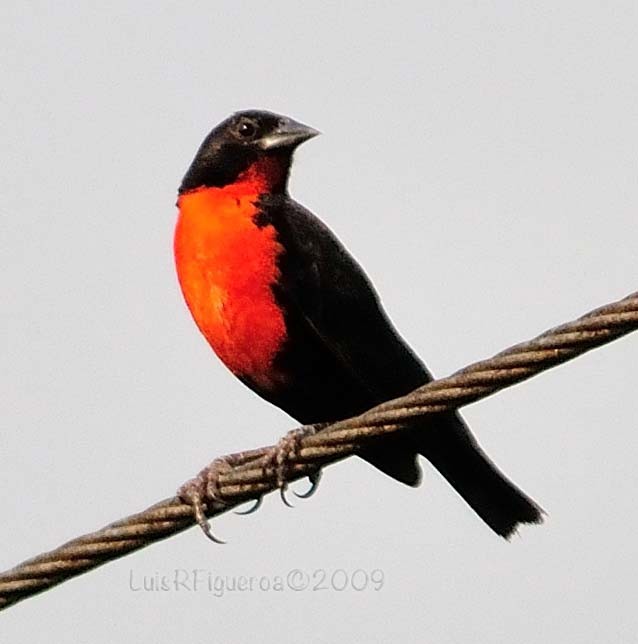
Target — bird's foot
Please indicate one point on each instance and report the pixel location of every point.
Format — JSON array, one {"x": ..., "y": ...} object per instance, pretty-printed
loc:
[
  {"x": 286, "y": 450},
  {"x": 204, "y": 490}
]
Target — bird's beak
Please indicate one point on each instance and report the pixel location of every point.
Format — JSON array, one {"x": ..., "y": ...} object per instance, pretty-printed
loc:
[{"x": 287, "y": 134}]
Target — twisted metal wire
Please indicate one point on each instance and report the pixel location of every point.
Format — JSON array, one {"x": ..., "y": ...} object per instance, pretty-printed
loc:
[{"x": 256, "y": 476}]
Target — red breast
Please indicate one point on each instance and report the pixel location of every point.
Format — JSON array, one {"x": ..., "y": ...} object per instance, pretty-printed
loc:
[{"x": 226, "y": 266}]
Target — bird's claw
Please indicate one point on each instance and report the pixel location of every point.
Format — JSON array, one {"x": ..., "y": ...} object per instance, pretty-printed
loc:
[
  {"x": 202, "y": 490},
  {"x": 314, "y": 479},
  {"x": 253, "y": 508},
  {"x": 279, "y": 460},
  {"x": 282, "y": 495}
]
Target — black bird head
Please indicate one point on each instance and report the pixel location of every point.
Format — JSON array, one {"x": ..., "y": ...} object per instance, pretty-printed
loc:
[{"x": 241, "y": 141}]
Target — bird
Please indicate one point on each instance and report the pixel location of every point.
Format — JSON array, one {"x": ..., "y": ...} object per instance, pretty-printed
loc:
[{"x": 293, "y": 315}]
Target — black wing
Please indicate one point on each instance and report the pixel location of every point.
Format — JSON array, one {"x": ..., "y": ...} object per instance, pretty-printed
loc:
[{"x": 327, "y": 295}]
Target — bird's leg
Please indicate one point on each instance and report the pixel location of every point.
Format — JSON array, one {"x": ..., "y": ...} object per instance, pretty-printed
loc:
[
  {"x": 285, "y": 450},
  {"x": 204, "y": 488}
]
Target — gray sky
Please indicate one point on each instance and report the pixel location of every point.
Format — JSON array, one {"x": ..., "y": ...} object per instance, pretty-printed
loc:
[{"x": 478, "y": 159}]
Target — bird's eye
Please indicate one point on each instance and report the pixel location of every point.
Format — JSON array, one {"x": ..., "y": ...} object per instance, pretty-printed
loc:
[{"x": 246, "y": 129}]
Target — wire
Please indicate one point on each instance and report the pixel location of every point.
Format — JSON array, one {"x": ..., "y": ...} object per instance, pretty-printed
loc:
[{"x": 257, "y": 476}]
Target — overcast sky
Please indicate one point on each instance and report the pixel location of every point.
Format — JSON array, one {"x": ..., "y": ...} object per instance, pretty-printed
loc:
[{"x": 479, "y": 159}]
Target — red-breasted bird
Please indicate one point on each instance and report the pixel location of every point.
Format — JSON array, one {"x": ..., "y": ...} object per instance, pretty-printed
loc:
[{"x": 292, "y": 314}]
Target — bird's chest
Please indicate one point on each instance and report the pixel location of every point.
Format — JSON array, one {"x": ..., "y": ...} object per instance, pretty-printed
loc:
[{"x": 227, "y": 266}]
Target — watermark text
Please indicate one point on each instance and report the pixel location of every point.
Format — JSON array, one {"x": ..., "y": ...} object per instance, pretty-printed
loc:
[{"x": 182, "y": 580}]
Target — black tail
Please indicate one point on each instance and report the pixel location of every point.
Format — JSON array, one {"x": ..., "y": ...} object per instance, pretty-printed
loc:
[{"x": 452, "y": 449}]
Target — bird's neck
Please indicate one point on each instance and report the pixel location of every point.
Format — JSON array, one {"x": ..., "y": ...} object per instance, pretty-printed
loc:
[{"x": 267, "y": 174}]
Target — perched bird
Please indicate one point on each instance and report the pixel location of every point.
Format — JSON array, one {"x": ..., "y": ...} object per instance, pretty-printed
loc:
[{"x": 292, "y": 314}]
